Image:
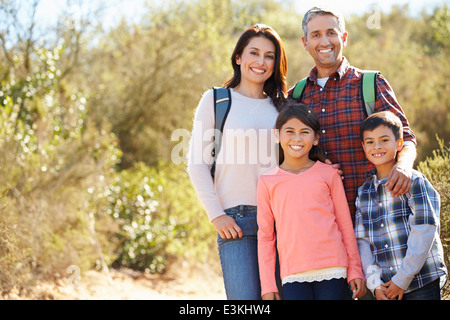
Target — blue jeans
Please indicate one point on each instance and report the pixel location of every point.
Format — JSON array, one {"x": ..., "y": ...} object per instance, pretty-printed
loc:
[
  {"x": 431, "y": 291},
  {"x": 239, "y": 257},
  {"x": 334, "y": 289}
]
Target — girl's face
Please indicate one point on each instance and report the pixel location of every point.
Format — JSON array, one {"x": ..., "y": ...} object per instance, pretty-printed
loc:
[
  {"x": 257, "y": 60},
  {"x": 296, "y": 139}
]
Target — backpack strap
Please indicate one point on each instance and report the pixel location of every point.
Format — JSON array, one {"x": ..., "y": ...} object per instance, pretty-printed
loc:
[
  {"x": 368, "y": 90},
  {"x": 222, "y": 105},
  {"x": 299, "y": 88}
]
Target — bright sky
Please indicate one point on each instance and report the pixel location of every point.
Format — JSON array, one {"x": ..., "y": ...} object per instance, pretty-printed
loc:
[
  {"x": 131, "y": 9},
  {"x": 361, "y": 6}
]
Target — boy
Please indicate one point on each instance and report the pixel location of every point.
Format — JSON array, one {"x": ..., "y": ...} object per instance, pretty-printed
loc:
[{"x": 398, "y": 237}]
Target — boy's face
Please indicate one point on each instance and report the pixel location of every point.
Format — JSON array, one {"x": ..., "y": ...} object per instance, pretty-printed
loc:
[{"x": 381, "y": 147}]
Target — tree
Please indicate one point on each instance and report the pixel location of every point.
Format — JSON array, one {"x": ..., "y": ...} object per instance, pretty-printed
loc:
[
  {"x": 415, "y": 65},
  {"x": 146, "y": 78},
  {"x": 50, "y": 153}
]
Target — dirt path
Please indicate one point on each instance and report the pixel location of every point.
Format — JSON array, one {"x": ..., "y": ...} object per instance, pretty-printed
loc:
[{"x": 126, "y": 284}]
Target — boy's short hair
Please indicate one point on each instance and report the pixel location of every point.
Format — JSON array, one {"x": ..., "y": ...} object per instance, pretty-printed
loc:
[{"x": 382, "y": 118}]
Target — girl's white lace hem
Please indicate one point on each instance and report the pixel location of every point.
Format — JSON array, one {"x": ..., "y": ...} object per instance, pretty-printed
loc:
[{"x": 317, "y": 275}]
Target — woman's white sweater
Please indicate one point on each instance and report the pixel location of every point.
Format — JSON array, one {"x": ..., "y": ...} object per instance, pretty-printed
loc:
[{"x": 248, "y": 150}]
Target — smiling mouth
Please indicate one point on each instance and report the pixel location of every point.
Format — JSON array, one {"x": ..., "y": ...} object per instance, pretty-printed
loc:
[
  {"x": 378, "y": 155},
  {"x": 258, "y": 71},
  {"x": 296, "y": 148},
  {"x": 325, "y": 50}
]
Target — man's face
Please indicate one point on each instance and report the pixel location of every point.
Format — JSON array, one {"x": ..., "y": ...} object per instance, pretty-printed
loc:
[{"x": 325, "y": 42}]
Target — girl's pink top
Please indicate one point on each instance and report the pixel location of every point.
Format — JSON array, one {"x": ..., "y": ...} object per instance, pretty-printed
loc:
[{"x": 313, "y": 224}]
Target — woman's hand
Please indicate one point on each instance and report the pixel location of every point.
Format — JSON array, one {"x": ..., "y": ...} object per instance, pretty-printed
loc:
[{"x": 227, "y": 227}]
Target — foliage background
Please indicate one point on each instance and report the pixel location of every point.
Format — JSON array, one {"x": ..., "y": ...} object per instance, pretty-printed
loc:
[{"x": 87, "y": 113}]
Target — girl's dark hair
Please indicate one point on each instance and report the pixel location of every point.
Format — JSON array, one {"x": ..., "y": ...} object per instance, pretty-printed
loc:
[
  {"x": 292, "y": 109},
  {"x": 275, "y": 87}
]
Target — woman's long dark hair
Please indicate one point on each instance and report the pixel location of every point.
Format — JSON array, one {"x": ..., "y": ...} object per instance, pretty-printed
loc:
[
  {"x": 292, "y": 109},
  {"x": 275, "y": 87}
]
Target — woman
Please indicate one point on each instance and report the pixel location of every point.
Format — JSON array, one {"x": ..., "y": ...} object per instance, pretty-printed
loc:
[{"x": 258, "y": 89}]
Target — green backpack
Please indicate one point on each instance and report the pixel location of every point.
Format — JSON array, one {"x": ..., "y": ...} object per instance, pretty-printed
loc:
[{"x": 368, "y": 90}]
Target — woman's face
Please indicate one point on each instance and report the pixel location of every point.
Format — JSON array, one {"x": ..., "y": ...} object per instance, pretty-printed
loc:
[{"x": 257, "y": 60}]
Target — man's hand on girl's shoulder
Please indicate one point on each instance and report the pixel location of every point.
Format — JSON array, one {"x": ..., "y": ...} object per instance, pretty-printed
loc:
[{"x": 336, "y": 166}]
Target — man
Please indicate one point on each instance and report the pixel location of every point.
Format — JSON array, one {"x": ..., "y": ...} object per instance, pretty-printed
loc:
[{"x": 333, "y": 91}]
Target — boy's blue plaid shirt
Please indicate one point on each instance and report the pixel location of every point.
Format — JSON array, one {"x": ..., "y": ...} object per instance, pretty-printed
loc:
[{"x": 385, "y": 222}]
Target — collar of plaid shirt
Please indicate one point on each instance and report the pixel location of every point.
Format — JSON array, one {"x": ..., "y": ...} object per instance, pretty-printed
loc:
[{"x": 340, "y": 72}]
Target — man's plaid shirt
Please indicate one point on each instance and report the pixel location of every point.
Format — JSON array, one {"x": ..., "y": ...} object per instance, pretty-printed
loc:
[
  {"x": 398, "y": 237},
  {"x": 339, "y": 106}
]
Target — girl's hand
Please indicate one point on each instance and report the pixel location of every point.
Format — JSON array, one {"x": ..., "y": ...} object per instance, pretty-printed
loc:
[
  {"x": 271, "y": 296},
  {"x": 227, "y": 227},
  {"x": 358, "y": 287}
]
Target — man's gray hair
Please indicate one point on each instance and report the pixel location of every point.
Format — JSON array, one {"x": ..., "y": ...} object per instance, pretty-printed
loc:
[{"x": 322, "y": 10}]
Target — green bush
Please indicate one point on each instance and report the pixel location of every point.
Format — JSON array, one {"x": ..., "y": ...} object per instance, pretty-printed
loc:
[
  {"x": 133, "y": 202},
  {"x": 62, "y": 200},
  {"x": 50, "y": 154},
  {"x": 158, "y": 217},
  {"x": 437, "y": 170}
]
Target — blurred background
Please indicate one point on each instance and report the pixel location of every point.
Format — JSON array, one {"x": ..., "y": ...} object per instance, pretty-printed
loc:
[{"x": 91, "y": 91}]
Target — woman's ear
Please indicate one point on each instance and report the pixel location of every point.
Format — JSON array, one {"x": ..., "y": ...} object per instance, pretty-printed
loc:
[{"x": 238, "y": 60}]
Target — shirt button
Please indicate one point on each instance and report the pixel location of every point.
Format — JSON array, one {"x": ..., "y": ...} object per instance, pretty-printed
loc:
[
  {"x": 323, "y": 131},
  {"x": 380, "y": 204},
  {"x": 382, "y": 225},
  {"x": 391, "y": 268},
  {"x": 386, "y": 246},
  {"x": 323, "y": 110},
  {"x": 321, "y": 89}
]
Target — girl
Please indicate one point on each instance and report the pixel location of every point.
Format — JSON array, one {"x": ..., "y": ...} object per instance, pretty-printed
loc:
[
  {"x": 258, "y": 88},
  {"x": 304, "y": 198}
]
